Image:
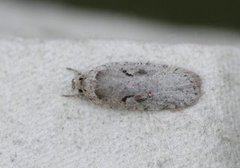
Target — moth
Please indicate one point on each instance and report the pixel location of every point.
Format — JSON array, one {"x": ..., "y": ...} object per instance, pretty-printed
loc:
[{"x": 138, "y": 86}]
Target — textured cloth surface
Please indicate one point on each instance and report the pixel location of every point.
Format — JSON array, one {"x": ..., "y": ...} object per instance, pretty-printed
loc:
[{"x": 40, "y": 128}]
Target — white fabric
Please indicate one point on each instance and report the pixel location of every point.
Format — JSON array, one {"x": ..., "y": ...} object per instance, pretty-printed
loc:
[{"x": 40, "y": 128}]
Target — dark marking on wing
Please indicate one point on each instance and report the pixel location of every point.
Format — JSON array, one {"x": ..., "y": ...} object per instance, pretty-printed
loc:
[
  {"x": 124, "y": 99},
  {"x": 126, "y": 73}
]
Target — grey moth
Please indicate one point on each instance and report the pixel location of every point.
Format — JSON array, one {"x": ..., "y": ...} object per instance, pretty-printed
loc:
[{"x": 139, "y": 86}]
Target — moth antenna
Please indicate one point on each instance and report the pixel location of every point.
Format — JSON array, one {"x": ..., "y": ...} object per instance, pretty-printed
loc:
[
  {"x": 76, "y": 72},
  {"x": 75, "y": 95}
]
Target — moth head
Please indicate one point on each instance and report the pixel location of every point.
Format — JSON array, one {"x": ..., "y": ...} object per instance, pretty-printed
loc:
[{"x": 77, "y": 83}]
